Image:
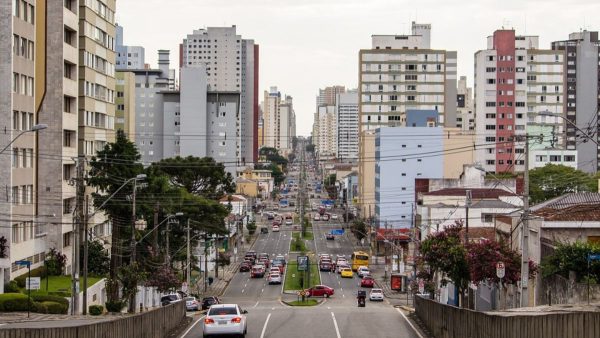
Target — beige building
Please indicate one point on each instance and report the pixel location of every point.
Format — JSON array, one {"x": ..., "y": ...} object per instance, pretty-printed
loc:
[
  {"x": 125, "y": 103},
  {"x": 366, "y": 174},
  {"x": 459, "y": 149},
  {"x": 279, "y": 121},
  {"x": 248, "y": 188},
  {"x": 465, "y": 109}
]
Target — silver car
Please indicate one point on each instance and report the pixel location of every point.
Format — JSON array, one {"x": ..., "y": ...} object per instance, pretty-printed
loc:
[
  {"x": 376, "y": 294},
  {"x": 225, "y": 319}
]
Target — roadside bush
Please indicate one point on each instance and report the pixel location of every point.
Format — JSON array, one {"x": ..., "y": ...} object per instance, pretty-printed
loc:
[
  {"x": 11, "y": 287},
  {"x": 8, "y": 297},
  {"x": 39, "y": 308},
  {"x": 37, "y": 272},
  {"x": 96, "y": 310},
  {"x": 17, "y": 304},
  {"x": 56, "y": 308},
  {"x": 47, "y": 298},
  {"x": 115, "y": 306},
  {"x": 56, "y": 262}
]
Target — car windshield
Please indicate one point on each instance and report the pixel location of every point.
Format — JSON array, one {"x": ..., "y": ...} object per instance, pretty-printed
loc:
[
  {"x": 170, "y": 297},
  {"x": 376, "y": 291},
  {"x": 222, "y": 311},
  {"x": 189, "y": 299}
]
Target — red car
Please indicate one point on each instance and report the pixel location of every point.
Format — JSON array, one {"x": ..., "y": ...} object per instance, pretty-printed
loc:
[
  {"x": 367, "y": 282},
  {"x": 320, "y": 291},
  {"x": 245, "y": 266}
]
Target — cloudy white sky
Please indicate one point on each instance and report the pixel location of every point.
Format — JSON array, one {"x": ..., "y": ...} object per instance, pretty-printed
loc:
[{"x": 309, "y": 44}]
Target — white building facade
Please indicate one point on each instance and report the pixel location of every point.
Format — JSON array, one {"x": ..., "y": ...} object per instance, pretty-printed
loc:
[{"x": 346, "y": 109}]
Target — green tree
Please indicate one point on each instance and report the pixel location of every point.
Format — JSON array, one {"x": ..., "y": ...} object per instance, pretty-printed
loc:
[
  {"x": 554, "y": 180},
  {"x": 110, "y": 169},
  {"x": 359, "y": 229},
  {"x": 572, "y": 257},
  {"x": 200, "y": 176},
  {"x": 98, "y": 259}
]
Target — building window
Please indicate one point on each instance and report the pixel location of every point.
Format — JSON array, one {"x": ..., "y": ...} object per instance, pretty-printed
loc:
[{"x": 487, "y": 218}]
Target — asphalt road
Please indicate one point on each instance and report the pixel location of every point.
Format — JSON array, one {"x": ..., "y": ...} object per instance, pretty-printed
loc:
[{"x": 336, "y": 317}]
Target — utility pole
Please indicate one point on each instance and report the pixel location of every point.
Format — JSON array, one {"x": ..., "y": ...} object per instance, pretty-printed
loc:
[
  {"x": 133, "y": 219},
  {"x": 167, "y": 257},
  {"x": 77, "y": 228},
  {"x": 85, "y": 253},
  {"x": 205, "y": 260},
  {"x": 525, "y": 237},
  {"x": 468, "y": 202},
  {"x": 189, "y": 254},
  {"x": 155, "y": 234}
]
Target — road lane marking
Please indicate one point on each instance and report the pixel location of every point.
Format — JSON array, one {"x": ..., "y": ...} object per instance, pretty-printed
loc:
[
  {"x": 409, "y": 323},
  {"x": 262, "y": 334},
  {"x": 337, "y": 329},
  {"x": 242, "y": 290},
  {"x": 192, "y": 326},
  {"x": 255, "y": 305}
]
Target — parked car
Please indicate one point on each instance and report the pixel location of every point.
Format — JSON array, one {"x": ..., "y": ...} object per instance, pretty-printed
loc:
[
  {"x": 225, "y": 319},
  {"x": 274, "y": 278},
  {"x": 320, "y": 291},
  {"x": 170, "y": 299},
  {"x": 363, "y": 271},
  {"x": 209, "y": 301},
  {"x": 367, "y": 282},
  {"x": 329, "y": 237},
  {"x": 264, "y": 230},
  {"x": 191, "y": 304},
  {"x": 376, "y": 295}
]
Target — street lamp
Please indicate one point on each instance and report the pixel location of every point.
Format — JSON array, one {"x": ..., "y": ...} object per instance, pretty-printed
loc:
[
  {"x": 33, "y": 129},
  {"x": 551, "y": 114}
]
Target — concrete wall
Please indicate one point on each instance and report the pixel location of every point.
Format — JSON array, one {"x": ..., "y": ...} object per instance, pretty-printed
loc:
[
  {"x": 193, "y": 111},
  {"x": 560, "y": 290}
]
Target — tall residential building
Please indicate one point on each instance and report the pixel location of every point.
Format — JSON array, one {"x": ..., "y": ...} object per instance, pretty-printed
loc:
[
  {"x": 125, "y": 103},
  {"x": 583, "y": 95},
  {"x": 328, "y": 95},
  {"x": 346, "y": 109},
  {"x": 514, "y": 82},
  {"x": 326, "y": 145},
  {"x": 128, "y": 57},
  {"x": 402, "y": 72},
  {"x": 231, "y": 65},
  {"x": 279, "y": 121},
  {"x": 465, "y": 111}
]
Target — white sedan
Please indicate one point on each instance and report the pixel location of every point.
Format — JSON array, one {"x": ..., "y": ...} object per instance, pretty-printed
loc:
[
  {"x": 334, "y": 216},
  {"x": 225, "y": 319},
  {"x": 376, "y": 295}
]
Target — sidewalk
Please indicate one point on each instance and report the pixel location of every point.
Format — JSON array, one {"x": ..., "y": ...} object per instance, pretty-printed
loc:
[{"x": 21, "y": 317}]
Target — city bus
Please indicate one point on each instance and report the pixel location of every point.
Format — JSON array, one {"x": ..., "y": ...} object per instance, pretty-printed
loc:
[{"x": 359, "y": 258}]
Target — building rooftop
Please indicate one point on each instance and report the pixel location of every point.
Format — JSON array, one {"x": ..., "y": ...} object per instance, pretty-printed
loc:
[
  {"x": 569, "y": 200},
  {"x": 476, "y": 193}
]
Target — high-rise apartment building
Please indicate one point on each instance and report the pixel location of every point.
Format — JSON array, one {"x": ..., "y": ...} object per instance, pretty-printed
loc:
[
  {"x": 279, "y": 121},
  {"x": 583, "y": 95},
  {"x": 402, "y": 72},
  {"x": 125, "y": 103},
  {"x": 465, "y": 111},
  {"x": 346, "y": 109},
  {"x": 328, "y": 95},
  {"x": 515, "y": 81},
  {"x": 326, "y": 145},
  {"x": 128, "y": 57},
  {"x": 231, "y": 65}
]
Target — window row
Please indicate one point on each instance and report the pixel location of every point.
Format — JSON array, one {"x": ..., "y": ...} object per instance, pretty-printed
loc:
[
  {"x": 101, "y": 9},
  {"x": 22, "y": 84},
  {"x": 22, "y": 158},
  {"x": 23, "y": 231},
  {"x": 555, "y": 158},
  {"x": 22, "y": 194},
  {"x": 99, "y": 35},
  {"x": 23, "y": 47},
  {"x": 99, "y": 120},
  {"x": 24, "y": 11},
  {"x": 99, "y": 64},
  {"x": 22, "y": 120},
  {"x": 99, "y": 92}
]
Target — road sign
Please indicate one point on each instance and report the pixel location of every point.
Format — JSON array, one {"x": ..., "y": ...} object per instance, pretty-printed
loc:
[
  {"x": 500, "y": 271},
  {"x": 184, "y": 287},
  {"x": 594, "y": 257},
  {"x": 337, "y": 232},
  {"x": 32, "y": 283},
  {"x": 25, "y": 263},
  {"x": 421, "y": 286},
  {"x": 302, "y": 263}
]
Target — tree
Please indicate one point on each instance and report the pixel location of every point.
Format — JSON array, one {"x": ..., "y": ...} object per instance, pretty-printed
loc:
[
  {"x": 164, "y": 279},
  {"x": 554, "y": 180},
  {"x": 110, "y": 169},
  {"x": 572, "y": 257},
  {"x": 200, "y": 176},
  {"x": 484, "y": 256},
  {"x": 98, "y": 259},
  {"x": 359, "y": 229},
  {"x": 445, "y": 253},
  {"x": 55, "y": 262}
]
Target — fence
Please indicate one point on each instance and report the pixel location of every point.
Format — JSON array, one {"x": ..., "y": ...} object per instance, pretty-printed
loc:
[
  {"x": 445, "y": 321},
  {"x": 154, "y": 324}
]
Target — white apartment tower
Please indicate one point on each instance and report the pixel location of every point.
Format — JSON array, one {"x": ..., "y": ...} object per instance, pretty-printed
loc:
[
  {"x": 279, "y": 121},
  {"x": 346, "y": 110},
  {"x": 231, "y": 66}
]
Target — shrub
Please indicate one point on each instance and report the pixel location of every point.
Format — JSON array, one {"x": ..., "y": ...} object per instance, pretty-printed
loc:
[
  {"x": 18, "y": 304},
  {"x": 11, "y": 287},
  {"x": 115, "y": 306},
  {"x": 47, "y": 298},
  {"x": 8, "y": 297},
  {"x": 39, "y": 308},
  {"x": 3, "y": 247},
  {"x": 56, "y": 308},
  {"x": 56, "y": 262},
  {"x": 96, "y": 310},
  {"x": 37, "y": 272}
]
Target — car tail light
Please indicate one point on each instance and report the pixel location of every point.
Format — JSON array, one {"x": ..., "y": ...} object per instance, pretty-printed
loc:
[
  {"x": 236, "y": 320},
  {"x": 208, "y": 321}
]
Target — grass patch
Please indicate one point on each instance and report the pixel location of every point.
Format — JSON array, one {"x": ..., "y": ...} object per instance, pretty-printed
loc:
[
  {"x": 62, "y": 284},
  {"x": 308, "y": 235},
  {"x": 297, "y": 244},
  {"x": 307, "y": 302},
  {"x": 293, "y": 276}
]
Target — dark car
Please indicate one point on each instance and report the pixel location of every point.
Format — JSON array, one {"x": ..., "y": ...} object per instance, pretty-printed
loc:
[
  {"x": 330, "y": 237},
  {"x": 264, "y": 230},
  {"x": 325, "y": 266},
  {"x": 245, "y": 266},
  {"x": 208, "y": 301},
  {"x": 170, "y": 299}
]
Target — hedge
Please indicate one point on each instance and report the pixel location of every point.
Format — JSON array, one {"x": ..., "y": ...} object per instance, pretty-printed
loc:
[
  {"x": 96, "y": 310},
  {"x": 56, "y": 308},
  {"x": 11, "y": 287},
  {"x": 11, "y": 302},
  {"x": 45, "y": 298},
  {"x": 37, "y": 272},
  {"x": 10, "y": 298}
]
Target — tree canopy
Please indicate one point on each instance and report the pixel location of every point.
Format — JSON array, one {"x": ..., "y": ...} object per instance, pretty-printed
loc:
[{"x": 555, "y": 180}]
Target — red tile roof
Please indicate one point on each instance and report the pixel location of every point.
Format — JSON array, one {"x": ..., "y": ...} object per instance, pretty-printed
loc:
[
  {"x": 575, "y": 213},
  {"x": 476, "y": 193},
  {"x": 393, "y": 234}
]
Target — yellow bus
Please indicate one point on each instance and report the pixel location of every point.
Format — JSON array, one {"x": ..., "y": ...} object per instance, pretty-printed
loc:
[{"x": 359, "y": 258}]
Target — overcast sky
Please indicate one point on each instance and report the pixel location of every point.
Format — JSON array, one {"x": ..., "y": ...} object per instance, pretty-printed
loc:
[{"x": 309, "y": 44}]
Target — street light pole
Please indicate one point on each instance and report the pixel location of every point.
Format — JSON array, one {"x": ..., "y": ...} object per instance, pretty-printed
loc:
[
  {"x": 189, "y": 263},
  {"x": 525, "y": 237},
  {"x": 33, "y": 129},
  {"x": 549, "y": 113}
]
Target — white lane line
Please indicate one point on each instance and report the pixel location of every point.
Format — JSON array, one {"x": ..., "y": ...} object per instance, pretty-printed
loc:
[
  {"x": 243, "y": 290},
  {"x": 343, "y": 295},
  {"x": 255, "y": 305},
  {"x": 263, "y": 290},
  {"x": 409, "y": 323},
  {"x": 262, "y": 334},
  {"x": 192, "y": 326},
  {"x": 337, "y": 329}
]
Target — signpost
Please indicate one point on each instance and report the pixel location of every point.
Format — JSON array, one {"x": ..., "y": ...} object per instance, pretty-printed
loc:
[
  {"x": 32, "y": 283},
  {"x": 28, "y": 264},
  {"x": 500, "y": 271},
  {"x": 591, "y": 257}
]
